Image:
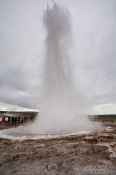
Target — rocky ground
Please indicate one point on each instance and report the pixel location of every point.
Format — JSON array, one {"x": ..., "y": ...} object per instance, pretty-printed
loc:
[{"x": 86, "y": 154}]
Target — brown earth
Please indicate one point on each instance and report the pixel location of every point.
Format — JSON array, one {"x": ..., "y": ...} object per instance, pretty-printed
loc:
[{"x": 86, "y": 154}]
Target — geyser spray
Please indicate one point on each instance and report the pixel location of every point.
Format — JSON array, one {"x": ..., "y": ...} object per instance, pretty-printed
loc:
[{"x": 62, "y": 109}]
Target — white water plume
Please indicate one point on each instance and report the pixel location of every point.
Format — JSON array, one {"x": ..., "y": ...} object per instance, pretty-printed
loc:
[{"x": 63, "y": 109}]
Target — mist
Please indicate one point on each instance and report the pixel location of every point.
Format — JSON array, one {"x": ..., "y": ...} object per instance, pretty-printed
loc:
[{"x": 63, "y": 108}]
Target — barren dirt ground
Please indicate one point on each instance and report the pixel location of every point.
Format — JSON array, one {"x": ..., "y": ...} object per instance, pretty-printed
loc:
[{"x": 85, "y": 154}]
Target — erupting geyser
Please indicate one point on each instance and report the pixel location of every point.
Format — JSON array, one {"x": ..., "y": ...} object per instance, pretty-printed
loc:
[{"x": 62, "y": 108}]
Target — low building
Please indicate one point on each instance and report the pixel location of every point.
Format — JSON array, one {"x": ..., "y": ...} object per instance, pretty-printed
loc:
[{"x": 11, "y": 118}]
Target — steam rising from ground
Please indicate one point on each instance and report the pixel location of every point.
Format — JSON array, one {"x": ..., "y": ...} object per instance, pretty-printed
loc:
[{"x": 62, "y": 107}]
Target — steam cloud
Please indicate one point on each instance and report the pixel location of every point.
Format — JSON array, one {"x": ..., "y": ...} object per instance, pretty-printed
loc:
[{"x": 63, "y": 108}]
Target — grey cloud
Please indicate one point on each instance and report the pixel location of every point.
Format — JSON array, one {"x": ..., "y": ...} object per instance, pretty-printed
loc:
[{"x": 21, "y": 49}]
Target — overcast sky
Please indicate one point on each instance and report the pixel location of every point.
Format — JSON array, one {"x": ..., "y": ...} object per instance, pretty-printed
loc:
[{"x": 22, "y": 37}]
